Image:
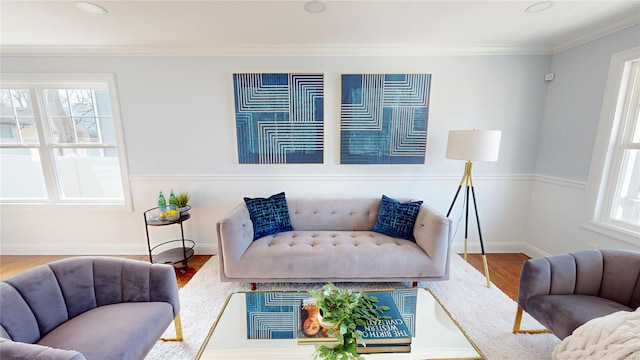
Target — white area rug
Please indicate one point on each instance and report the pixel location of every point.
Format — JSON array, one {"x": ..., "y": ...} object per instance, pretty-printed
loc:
[{"x": 485, "y": 314}]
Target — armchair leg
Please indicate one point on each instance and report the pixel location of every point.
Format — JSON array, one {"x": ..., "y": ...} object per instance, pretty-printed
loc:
[
  {"x": 178, "y": 325},
  {"x": 518, "y": 320}
]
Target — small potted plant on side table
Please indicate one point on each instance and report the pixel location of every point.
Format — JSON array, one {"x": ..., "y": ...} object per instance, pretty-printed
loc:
[
  {"x": 182, "y": 199},
  {"x": 345, "y": 310}
]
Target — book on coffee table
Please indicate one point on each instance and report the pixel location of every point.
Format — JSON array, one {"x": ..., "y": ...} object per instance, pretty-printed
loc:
[
  {"x": 310, "y": 331},
  {"x": 383, "y": 348},
  {"x": 392, "y": 331}
]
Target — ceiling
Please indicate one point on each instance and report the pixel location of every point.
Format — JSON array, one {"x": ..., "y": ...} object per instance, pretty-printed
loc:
[{"x": 265, "y": 27}]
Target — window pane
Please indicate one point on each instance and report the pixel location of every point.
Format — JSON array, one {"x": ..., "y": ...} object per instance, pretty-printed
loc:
[
  {"x": 90, "y": 120},
  {"x": 57, "y": 102},
  {"x": 62, "y": 129},
  {"x": 16, "y": 118},
  {"x": 88, "y": 173},
  {"x": 22, "y": 176},
  {"x": 626, "y": 203}
]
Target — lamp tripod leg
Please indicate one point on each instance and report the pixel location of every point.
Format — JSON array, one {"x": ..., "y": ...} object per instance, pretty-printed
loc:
[
  {"x": 465, "y": 249},
  {"x": 486, "y": 270},
  {"x": 466, "y": 221},
  {"x": 484, "y": 255}
]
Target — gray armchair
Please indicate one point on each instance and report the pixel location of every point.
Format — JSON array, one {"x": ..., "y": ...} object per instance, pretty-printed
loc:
[
  {"x": 87, "y": 308},
  {"x": 564, "y": 291}
]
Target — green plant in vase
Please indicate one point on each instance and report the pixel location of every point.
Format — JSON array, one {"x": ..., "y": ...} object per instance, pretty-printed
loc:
[
  {"x": 182, "y": 199},
  {"x": 345, "y": 310}
]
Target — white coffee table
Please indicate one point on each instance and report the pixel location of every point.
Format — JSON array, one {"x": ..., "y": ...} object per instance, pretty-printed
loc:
[{"x": 436, "y": 336}]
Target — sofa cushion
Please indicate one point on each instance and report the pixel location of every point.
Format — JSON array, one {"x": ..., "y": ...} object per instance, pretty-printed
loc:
[
  {"x": 318, "y": 256},
  {"x": 565, "y": 313},
  {"x": 269, "y": 216},
  {"x": 397, "y": 219},
  {"x": 118, "y": 331}
]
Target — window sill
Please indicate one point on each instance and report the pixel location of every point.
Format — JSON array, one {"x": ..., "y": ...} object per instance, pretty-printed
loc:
[{"x": 614, "y": 232}]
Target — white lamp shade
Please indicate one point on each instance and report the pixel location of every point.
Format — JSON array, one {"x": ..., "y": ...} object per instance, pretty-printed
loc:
[{"x": 474, "y": 145}]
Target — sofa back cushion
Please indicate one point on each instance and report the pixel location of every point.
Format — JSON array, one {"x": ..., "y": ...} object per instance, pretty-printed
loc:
[
  {"x": 333, "y": 214},
  {"x": 75, "y": 279},
  {"x": 17, "y": 321},
  {"x": 620, "y": 277},
  {"x": 39, "y": 290}
]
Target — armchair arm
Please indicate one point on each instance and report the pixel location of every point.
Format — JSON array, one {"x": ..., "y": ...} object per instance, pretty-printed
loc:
[
  {"x": 432, "y": 232},
  {"x": 23, "y": 351},
  {"x": 535, "y": 279}
]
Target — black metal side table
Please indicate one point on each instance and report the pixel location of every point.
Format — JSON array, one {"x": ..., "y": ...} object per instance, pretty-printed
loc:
[{"x": 176, "y": 251}]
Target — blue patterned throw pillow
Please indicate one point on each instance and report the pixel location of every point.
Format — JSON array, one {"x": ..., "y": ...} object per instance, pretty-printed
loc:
[
  {"x": 269, "y": 216},
  {"x": 397, "y": 219}
]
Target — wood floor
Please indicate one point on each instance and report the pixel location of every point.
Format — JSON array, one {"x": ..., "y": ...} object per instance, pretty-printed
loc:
[
  {"x": 14, "y": 264},
  {"x": 504, "y": 269}
]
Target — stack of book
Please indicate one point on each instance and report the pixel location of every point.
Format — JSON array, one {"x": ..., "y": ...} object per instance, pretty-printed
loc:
[
  {"x": 380, "y": 336},
  {"x": 310, "y": 329},
  {"x": 390, "y": 335}
]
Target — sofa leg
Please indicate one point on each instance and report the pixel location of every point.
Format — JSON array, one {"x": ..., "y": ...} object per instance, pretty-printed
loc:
[
  {"x": 415, "y": 284},
  {"x": 518, "y": 320},
  {"x": 253, "y": 286},
  {"x": 178, "y": 325}
]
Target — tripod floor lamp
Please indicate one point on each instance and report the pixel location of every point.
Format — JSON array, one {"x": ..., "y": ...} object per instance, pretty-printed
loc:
[{"x": 472, "y": 145}]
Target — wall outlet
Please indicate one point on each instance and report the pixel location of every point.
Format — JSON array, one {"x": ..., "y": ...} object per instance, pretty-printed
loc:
[{"x": 549, "y": 76}]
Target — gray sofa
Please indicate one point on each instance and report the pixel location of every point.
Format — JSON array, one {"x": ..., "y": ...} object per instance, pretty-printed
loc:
[
  {"x": 565, "y": 291},
  {"x": 87, "y": 308},
  {"x": 332, "y": 241}
]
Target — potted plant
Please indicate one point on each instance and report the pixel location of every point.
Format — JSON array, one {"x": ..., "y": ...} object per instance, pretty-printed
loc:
[
  {"x": 345, "y": 310},
  {"x": 182, "y": 199}
]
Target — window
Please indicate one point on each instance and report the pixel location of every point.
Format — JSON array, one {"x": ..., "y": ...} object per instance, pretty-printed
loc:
[
  {"x": 614, "y": 183},
  {"x": 60, "y": 140}
]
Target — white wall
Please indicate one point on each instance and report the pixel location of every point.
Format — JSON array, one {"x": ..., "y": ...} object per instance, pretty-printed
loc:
[
  {"x": 191, "y": 97},
  {"x": 546, "y": 132},
  {"x": 572, "y": 113}
]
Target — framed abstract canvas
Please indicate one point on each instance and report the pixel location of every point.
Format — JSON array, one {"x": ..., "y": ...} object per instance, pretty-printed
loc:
[
  {"x": 279, "y": 118},
  {"x": 383, "y": 118}
]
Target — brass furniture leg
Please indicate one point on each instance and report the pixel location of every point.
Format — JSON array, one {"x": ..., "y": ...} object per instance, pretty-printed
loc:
[
  {"x": 516, "y": 325},
  {"x": 178, "y": 325}
]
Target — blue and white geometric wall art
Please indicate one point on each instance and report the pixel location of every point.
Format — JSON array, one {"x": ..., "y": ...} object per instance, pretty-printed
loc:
[
  {"x": 279, "y": 118},
  {"x": 383, "y": 118}
]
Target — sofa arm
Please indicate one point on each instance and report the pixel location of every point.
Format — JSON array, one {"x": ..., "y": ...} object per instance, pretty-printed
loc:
[
  {"x": 23, "y": 351},
  {"x": 432, "y": 232},
  {"x": 235, "y": 234}
]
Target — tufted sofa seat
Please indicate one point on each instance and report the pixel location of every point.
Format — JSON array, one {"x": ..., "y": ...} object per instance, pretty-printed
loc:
[
  {"x": 332, "y": 241},
  {"x": 94, "y": 308}
]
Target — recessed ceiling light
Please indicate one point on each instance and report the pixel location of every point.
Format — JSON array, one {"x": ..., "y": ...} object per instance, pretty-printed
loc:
[
  {"x": 315, "y": 7},
  {"x": 91, "y": 8},
  {"x": 539, "y": 7}
]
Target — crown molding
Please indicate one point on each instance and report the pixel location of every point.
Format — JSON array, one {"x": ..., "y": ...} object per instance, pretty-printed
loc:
[
  {"x": 608, "y": 29},
  {"x": 321, "y": 50},
  {"x": 266, "y": 50}
]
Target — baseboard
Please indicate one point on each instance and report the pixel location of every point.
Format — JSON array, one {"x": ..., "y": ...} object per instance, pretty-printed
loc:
[
  {"x": 503, "y": 247},
  {"x": 57, "y": 249}
]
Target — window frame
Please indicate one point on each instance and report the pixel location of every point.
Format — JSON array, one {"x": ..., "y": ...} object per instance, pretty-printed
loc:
[
  {"x": 36, "y": 83},
  {"x": 607, "y": 155}
]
